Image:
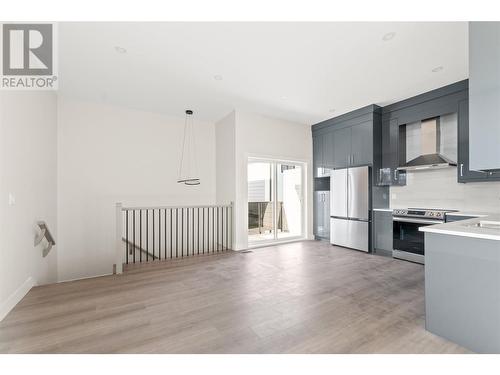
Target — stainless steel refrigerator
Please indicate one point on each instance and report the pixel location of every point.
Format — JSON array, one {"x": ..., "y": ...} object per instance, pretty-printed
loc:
[{"x": 350, "y": 208}]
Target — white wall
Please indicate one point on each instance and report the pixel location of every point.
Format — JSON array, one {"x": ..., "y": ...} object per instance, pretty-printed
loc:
[
  {"x": 28, "y": 125},
  {"x": 262, "y": 136},
  {"x": 110, "y": 154},
  {"x": 439, "y": 189},
  {"x": 226, "y": 166}
]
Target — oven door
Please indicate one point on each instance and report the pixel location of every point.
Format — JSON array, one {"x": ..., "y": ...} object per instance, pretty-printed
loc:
[{"x": 406, "y": 236}]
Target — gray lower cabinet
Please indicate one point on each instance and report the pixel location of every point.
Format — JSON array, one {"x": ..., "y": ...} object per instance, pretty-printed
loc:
[
  {"x": 461, "y": 290},
  {"x": 382, "y": 231},
  {"x": 322, "y": 215}
]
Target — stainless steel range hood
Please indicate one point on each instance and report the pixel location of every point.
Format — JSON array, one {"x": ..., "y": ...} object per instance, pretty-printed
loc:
[{"x": 425, "y": 141}]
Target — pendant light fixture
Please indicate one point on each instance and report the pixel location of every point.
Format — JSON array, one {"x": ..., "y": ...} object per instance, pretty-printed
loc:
[{"x": 188, "y": 170}]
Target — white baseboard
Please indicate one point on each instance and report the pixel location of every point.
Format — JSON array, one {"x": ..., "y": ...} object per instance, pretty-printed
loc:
[
  {"x": 84, "y": 278},
  {"x": 275, "y": 242},
  {"x": 15, "y": 297}
]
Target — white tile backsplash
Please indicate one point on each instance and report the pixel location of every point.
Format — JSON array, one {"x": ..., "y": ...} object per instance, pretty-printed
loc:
[{"x": 439, "y": 188}]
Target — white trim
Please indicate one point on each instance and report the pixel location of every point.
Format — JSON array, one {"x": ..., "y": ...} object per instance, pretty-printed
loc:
[
  {"x": 16, "y": 297},
  {"x": 85, "y": 277},
  {"x": 275, "y": 243}
]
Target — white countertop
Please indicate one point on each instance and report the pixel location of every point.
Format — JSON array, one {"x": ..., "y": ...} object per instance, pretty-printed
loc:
[{"x": 466, "y": 228}]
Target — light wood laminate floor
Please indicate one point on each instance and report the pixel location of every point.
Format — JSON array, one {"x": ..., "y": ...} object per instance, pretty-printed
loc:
[{"x": 304, "y": 297}]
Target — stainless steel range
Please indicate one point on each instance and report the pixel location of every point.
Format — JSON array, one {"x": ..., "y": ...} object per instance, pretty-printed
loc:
[{"x": 408, "y": 242}]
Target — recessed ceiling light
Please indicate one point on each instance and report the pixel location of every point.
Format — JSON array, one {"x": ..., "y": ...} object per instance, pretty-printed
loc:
[
  {"x": 218, "y": 77},
  {"x": 120, "y": 49},
  {"x": 437, "y": 69},
  {"x": 284, "y": 97},
  {"x": 332, "y": 110},
  {"x": 388, "y": 36}
]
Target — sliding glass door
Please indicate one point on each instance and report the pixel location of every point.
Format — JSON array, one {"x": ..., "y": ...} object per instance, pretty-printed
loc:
[{"x": 275, "y": 200}]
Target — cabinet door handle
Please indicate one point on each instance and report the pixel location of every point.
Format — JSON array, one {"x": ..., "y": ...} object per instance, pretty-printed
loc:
[
  {"x": 461, "y": 170},
  {"x": 395, "y": 175}
]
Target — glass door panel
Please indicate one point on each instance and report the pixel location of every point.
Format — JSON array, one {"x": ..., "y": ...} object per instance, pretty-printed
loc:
[
  {"x": 260, "y": 201},
  {"x": 289, "y": 200}
]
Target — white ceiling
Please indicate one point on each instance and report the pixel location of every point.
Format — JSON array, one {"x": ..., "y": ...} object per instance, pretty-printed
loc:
[{"x": 294, "y": 71}]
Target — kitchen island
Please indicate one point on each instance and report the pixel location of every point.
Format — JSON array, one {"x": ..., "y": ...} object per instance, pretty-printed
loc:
[{"x": 462, "y": 282}]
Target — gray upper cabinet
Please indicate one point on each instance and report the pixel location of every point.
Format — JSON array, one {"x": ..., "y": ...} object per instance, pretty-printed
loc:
[
  {"x": 317, "y": 155},
  {"x": 464, "y": 172},
  {"x": 353, "y": 145},
  {"x": 362, "y": 144},
  {"x": 348, "y": 140},
  {"x": 390, "y": 151},
  {"x": 341, "y": 147},
  {"x": 328, "y": 150},
  {"x": 484, "y": 95},
  {"x": 323, "y": 154}
]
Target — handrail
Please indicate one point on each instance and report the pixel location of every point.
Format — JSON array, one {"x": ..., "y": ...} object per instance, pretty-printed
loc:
[
  {"x": 135, "y": 246},
  {"x": 44, "y": 233},
  {"x": 174, "y": 207}
]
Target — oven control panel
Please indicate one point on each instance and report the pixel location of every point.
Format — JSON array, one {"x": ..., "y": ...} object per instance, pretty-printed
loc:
[{"x": 414, "y": 212}]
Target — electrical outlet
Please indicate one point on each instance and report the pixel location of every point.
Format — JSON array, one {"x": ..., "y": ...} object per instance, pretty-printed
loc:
[{"x": 12, "y": 199}]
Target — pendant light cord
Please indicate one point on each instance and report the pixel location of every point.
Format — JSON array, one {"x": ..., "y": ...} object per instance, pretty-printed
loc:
[
  {"x": 193, "y": 151},
  {"x": 183, "y": 146}
]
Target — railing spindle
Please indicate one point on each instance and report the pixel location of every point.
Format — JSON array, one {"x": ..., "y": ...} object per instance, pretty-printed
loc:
[
  {"x": 176, "y": 232},
  {"x": 147, "y": 235},
  {"x": 133, "y": 231},
  {"x": 140, "y": 236},
  {"x": 217, "y": 229},
  {"x": 213, "y": 229},
  {"x": 165, "y": 233},
  {"x": 126, "y": 234},
  {"x": 203, "y": 229},
  {"x": 171, "y": 234},
  {"x": 192, "y": 231},
  {"x": 198, "y": 230}
]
